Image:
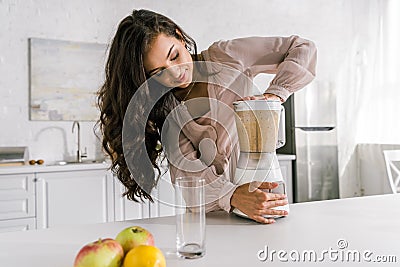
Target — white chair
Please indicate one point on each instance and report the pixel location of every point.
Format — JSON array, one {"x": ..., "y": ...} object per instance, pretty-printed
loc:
[{"x": 393, "y": 171}]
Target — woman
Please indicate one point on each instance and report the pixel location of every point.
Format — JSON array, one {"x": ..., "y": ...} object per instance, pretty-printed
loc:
[{"x": 149, "y": 48}]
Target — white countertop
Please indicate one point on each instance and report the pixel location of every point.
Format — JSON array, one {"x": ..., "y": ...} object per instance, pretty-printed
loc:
[
  {"x": 365, "y": 223},
  {"x": 78, "y": 166},
  {"x": 52, "y": 168}
]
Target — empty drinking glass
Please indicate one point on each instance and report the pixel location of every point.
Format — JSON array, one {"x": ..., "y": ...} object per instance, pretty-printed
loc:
[{"x": 190, "y": 217}]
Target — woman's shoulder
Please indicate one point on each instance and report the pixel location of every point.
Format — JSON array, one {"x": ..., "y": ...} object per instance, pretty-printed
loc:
[
  {"x": 235, "y": 43},
  {"x": 224, "y": 46},
  {"x": 223, "y": 51},
  {"x": 234, "y": 50}
]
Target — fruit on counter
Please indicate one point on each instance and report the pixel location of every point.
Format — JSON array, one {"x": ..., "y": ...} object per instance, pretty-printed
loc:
[
  {"x": 101, "y": 253},
  {"x": 134, "y": 236},
  {"x": 33, "y": 162},
  {"x": 144, "y": 256}
]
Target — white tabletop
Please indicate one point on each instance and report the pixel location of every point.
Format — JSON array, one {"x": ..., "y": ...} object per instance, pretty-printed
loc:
[{"x": 368, "y": 225}]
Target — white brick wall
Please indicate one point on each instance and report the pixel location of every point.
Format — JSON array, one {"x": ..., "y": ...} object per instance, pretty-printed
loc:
[{"x": 74, "y": 20}]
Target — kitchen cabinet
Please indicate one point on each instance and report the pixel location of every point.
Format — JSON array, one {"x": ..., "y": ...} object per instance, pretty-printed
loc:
[
  {"x": 17, "y": 225},
  {"x": 126, "y": 209},
  {"x": 287, "y": 173},
  {"x": 48, "y": 196},
  {"x": 17, "y": 202},
  {"x": 74, "y": 197},
  {"x": 163, "y": 196}
]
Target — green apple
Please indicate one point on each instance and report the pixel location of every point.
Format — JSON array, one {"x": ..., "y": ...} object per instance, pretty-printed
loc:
[
  {"x": 101, "y": 253},
  {"x": 134, "y": 236}
]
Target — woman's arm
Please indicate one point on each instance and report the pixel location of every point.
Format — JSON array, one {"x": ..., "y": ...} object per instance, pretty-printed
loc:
[{"x": 292, "y": 60}]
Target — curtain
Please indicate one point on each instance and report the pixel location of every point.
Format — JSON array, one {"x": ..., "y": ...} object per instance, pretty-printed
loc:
[{"x": 368, "y": 88}]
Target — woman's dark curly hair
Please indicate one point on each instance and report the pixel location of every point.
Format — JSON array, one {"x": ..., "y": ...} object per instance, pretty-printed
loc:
[{"x": 124, "y": 74}]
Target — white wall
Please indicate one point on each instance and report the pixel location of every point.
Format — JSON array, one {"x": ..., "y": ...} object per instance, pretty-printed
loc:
[
  {"x": 74, "y": 20},
  {"x": 207, "y": 21}
]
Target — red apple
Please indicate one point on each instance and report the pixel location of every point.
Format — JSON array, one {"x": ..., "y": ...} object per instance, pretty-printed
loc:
[
  {"x": 101, "y": 253},
  {"x": 134, "y": 236}
]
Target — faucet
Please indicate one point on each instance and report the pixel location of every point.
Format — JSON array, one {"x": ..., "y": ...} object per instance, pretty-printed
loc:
[{"x": 79, "y": 154}]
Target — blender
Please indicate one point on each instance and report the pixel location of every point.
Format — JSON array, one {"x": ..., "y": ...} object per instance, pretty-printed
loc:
[{"x": 260, "y": 126}]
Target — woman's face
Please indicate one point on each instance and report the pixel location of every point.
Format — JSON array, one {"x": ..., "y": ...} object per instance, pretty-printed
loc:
[{"x": 169, "y": 62}]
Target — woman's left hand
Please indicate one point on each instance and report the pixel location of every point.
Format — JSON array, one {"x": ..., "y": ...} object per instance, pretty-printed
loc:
[{"x": 265, "y": 96}]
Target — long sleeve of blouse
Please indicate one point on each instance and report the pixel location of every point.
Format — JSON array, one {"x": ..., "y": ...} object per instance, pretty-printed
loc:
[{"x": 292, "y": 60}]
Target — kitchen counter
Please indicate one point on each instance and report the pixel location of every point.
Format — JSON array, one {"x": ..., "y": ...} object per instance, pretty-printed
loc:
[
  {"x": 332, "y": 229},
  {"x": 52, "y": 167}
]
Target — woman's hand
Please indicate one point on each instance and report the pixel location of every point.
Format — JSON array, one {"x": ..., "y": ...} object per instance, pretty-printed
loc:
[
  {"x": 265, "y": 96},
  {"x": 256, "y": 203}
]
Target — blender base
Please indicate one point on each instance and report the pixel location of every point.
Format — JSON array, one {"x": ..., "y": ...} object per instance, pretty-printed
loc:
[{"x": 243, "y": 176}]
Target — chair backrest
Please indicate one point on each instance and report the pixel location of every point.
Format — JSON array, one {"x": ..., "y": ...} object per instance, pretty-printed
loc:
[{"x": 393, "y": 171}]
